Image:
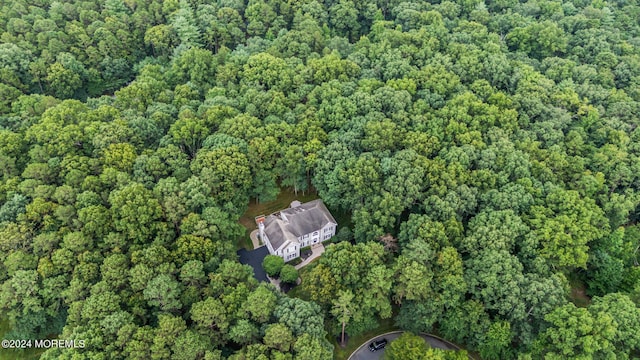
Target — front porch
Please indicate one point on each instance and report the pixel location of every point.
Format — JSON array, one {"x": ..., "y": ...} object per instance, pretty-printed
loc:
[{"x": 316, "y": 251}]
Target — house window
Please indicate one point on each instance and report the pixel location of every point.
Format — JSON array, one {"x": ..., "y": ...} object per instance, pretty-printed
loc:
[{"x": 315, "y": 233}]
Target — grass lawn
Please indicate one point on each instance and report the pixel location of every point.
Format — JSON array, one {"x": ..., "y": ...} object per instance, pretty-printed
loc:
[
  {"x": 283, "y": 201},
  {"x": 339, "y": 353},
  {"x": 11, "y": 354}
]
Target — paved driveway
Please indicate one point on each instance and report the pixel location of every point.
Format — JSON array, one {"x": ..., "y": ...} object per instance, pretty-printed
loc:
[
  {"x": 363, "y": 352},
  {"x": 316, "y": 250},
  {"x": 254, "y": 239},
  {"x": 254, "y": 259}
]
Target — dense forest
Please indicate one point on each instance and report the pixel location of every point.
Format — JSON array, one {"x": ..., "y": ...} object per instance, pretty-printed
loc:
[{"x": 493, "y": 146}]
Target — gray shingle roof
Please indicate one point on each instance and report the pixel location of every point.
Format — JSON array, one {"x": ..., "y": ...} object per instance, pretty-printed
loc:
[
  {"x": 289, "y": 224},
  {"x": 277, "y": 232}
]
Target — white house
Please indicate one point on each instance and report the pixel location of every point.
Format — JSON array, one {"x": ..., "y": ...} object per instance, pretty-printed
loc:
[{"x": 286, "y": 231}]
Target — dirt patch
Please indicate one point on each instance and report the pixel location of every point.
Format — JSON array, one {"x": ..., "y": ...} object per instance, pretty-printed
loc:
[{"x": 580, "y": 297}]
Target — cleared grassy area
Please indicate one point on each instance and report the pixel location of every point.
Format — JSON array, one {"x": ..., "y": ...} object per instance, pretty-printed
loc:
[
  {"x": 283, "y": 201},
  {"x": 11, "y": 354}
]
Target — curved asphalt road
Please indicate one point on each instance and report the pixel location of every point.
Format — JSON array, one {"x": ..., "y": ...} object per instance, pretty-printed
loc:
[{"x": 363, "y": 352}]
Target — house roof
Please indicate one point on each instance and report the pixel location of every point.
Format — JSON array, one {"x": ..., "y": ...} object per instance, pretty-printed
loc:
[
  {"x": 277, "y": 232},
  {"x": 289, "y": 224}
]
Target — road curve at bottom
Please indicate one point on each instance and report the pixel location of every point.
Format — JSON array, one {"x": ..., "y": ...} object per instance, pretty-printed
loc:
[{"x": 363, "y": 352}]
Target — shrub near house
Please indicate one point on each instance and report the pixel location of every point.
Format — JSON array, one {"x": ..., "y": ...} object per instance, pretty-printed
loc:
[
  {"x": 288, "y": 274},
  {"x": 272, "y": 264}
]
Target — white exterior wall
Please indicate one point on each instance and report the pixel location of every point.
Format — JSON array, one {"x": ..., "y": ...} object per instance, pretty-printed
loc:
[
  {"x": 290, "y": 252},
  {"x": 265, "y": 240},
  {"x": 321, "y": 235},
  {"x": 328, "y": 232}
]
